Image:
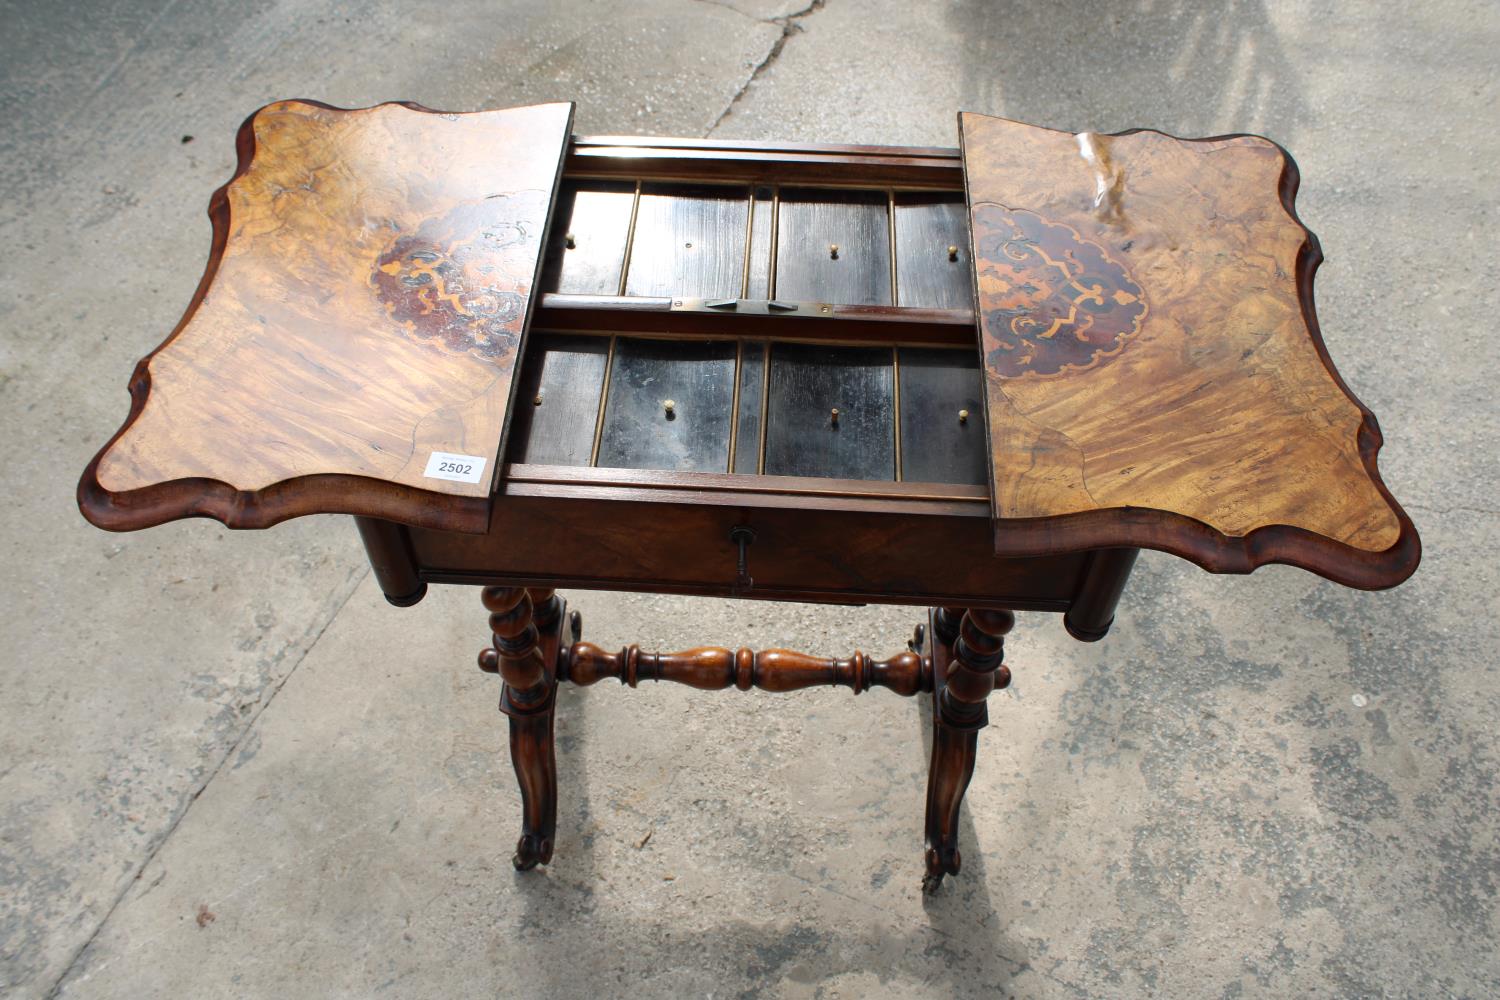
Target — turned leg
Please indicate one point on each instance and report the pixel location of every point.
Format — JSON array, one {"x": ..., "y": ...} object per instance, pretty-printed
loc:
[
  {"x": 524, "y": 653},
  {"x": 968, "y": 651}
]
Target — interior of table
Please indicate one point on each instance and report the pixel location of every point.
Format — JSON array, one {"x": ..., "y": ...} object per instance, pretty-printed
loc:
[{"x": 799, "y": 320}]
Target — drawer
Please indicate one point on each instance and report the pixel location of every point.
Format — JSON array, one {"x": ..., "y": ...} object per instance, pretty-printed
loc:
[{"x": 799, "y": 553}]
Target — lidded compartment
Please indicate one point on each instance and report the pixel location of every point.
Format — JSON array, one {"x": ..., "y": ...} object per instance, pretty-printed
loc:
[
  {"x": 686, "y": 240},
  {"x": 751, "y": 407},
  {"x": 788, "y": 322},
  {"x": 354, "y": 341}
]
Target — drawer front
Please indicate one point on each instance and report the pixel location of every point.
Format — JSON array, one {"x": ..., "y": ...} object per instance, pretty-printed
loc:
[{"x": 798, "y": 554}]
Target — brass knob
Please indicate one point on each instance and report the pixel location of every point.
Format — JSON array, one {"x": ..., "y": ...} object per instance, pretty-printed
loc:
[
  {"x": 537, "y": 401},
  {"x": 835, "y": 416},
  {"x": 963, "y": 416},
  {"x": 833, "y": 251},
  {"x": 953, "y": 253},
  {"x": 669, "y": 406}
]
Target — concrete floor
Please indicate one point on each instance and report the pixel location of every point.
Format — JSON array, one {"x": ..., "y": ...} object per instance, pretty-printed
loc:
[{"x": 227, "y": 769}]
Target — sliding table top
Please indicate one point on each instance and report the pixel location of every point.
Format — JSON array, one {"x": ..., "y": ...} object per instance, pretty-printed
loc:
[
  {"x": 1148, "y": 372},
  {"x": 1154, "y": 372},
  {"x": 361, "y": 312}
]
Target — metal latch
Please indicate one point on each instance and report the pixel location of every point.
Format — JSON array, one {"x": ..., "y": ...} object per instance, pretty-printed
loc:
[
  {"x": 753, "y": 307},
  {"x": 742, "y": 536}
]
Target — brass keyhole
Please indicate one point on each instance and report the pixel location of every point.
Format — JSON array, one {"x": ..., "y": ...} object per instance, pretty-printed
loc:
[{"x": 742, "y": 535}]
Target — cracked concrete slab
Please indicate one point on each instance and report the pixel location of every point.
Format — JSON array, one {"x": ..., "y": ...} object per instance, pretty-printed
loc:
[
  {"x": 1202, "y": 799},
  {"x": 789, "y": 20},
  {"x": 227, "y": 768},
  {"x": 134, "y": 664}
]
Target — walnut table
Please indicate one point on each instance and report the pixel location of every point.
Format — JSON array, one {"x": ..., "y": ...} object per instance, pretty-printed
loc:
[{"x": 527, "y": 360}]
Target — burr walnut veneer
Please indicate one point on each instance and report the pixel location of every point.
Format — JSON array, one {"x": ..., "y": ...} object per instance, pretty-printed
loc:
[{"x": 977, "y": 381}]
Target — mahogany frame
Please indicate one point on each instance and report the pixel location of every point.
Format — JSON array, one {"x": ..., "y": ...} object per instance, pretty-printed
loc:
[
  {"x": 904, "y": 168},
  {"x": 829, "y": 541}
]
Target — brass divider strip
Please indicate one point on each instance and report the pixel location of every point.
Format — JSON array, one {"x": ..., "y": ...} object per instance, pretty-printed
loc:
[
  {"x": 635, "y": 207},
  {"x": 775, "y": 238},
  {"x": 609, "y": 367},
  {"x": 749, "y": 245},
  {"x": 896, "y": 403},
  {"x": 734, "y": 406},
  {"x": 765, "y": 408}
]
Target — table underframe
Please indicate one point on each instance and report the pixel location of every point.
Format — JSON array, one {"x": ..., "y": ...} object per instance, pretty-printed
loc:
[{"x": 956, "y": 658}]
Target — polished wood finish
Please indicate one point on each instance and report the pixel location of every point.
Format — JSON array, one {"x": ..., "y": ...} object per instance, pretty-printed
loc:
[
  {"x": 786, "y": 162},
  {"x": 590, "y": 230},
  {"x": 714, "y": 668},
  {"x": 1093, "y": 610},
  {"x": 1155, "y": 373},
  {"x": 388, "y": 546},
  {"x": 524, "y": 651},
  {"x": 1115, "y": 426},
  {"x": 803, "y": 492},
  {"x": 967, "y": 653},
  {"x": 689, "y": 240},
  {"x": 942, "y": 417},
  {"x": 932, "y": 250},
  {"x": 1153, "y": 377},
  {"x": 669, "y": 406},
  {"x": 582, "y": 537},
  {"x": 763, "y": 213},
  {"x": 363, "y": 307},
  {"x": 573, "y": 406},
  {"x": 750, "y": 408},
  {"x": 513, "y": 654},
  {"x": 977, "y": 667},
  {"x": 804, "y": 437},
  {"x": 820, "y": 322},
  {"x": 563, "y": 378},
  {"x": 833, "y": 246}
]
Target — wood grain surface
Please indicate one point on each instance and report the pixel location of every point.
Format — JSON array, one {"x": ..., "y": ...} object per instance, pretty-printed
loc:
[
  {"x": 1155, "y": 375},
  {"x": 561, "y": 383},
  {"x": 806, "y": 383},
  {"x": 697, "y": 378},
  {"x": 591, "y": 226},
  {"x": 363, "y": 307},
  {"x": 927, "y": 226},
  {"x": 810, "y": 222},
  {"x": 689, "y": 240},
  {"x": 937, "y": 444},
  {"x": 1154, "y": 372}
]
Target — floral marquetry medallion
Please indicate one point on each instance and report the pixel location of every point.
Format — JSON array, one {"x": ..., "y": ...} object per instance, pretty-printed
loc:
[
  {"x": 1152, "y": 357},
  {"x": 1048, "y": 298},
  {"x": 359, "y": 323},
  {"x": 461, "y": 281},
  {"x": 1152, "y": 370}
]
